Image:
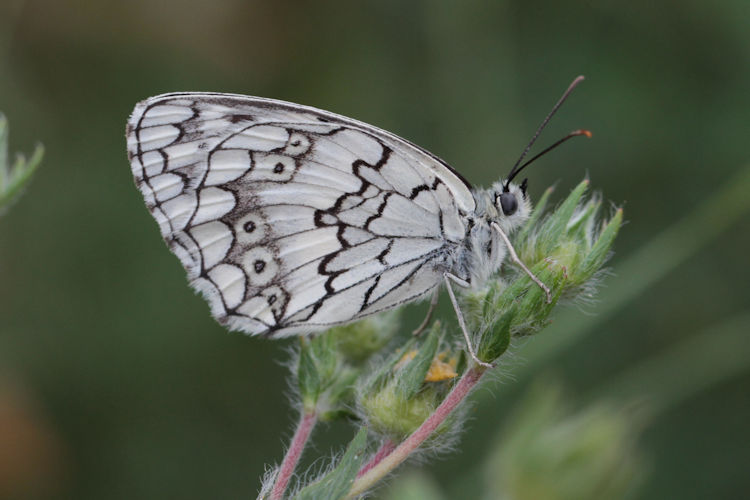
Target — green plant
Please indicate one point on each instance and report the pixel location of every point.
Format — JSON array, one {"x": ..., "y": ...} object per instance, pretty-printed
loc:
[{"x": 408, "y": 395}]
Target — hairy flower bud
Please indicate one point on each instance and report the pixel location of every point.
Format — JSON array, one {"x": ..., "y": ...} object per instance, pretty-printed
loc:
[
  {"x": 564, "y": 249},
  {"x": 398, "y": 399}
]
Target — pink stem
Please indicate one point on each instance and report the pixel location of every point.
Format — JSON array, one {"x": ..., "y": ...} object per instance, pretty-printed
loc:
[
  {"x": 293, "y": 454},
  {"x": 402, "y": 452},
  {"x": 385, "y": 450}
]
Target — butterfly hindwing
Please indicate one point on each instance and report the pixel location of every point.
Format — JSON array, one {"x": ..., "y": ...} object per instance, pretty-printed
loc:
[{"x": 290, "y": 219}]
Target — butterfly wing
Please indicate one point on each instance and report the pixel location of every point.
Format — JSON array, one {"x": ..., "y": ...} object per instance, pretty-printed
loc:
[{"x": 291, "y": 219}]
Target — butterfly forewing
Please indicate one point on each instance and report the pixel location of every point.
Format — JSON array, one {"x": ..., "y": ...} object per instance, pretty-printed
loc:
[{"x": 291, "y": 219}]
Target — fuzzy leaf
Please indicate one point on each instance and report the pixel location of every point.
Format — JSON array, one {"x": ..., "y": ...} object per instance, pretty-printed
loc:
[
  {"x": 308, "y": 378},
  {"x": 496, "y": 339},
  {"x": 336, "y": 484},
  {"x": 536, "y": 214},
  {"x": 339, "y": 394},
  {"x": 411, "y": 377},
  {"x": 385, "y": 369},
  {"x": 580, "y": 224},
  {"x": 599, "y": 251},
  {"x": 557, "y": 224}
]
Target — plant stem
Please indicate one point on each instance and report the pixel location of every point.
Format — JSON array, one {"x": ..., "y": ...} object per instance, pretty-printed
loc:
[
  {"x": 402, "y": 452},
  {"x": 293, "y": 454},
  {"x": 385, "y": 450}
]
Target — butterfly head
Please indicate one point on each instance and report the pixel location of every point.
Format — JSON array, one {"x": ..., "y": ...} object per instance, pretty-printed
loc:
[
  {"x": 510, "y": 202},
  {"x": 507, "y": 201}
]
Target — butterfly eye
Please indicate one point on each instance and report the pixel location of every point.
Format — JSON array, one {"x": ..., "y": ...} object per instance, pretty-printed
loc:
[{"x": 508, "y": 203}]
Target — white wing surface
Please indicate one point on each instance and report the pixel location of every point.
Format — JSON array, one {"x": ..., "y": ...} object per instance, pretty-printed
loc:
[{"x": 290, "y": 219}]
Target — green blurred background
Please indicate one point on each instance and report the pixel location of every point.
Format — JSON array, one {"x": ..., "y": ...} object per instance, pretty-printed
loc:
[{"x": 116, "y": 383}]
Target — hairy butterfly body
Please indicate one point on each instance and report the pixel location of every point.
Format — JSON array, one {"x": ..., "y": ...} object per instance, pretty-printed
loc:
[{"x": 290, "y": 219}]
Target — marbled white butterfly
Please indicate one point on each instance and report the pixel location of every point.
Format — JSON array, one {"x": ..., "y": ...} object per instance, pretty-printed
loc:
[{"x": 291, "y": 220}]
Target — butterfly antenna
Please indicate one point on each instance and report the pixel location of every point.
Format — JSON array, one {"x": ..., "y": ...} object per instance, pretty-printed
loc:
[
  {"x": 514, "y": 171},
  {"x": 574, "y": 133}
]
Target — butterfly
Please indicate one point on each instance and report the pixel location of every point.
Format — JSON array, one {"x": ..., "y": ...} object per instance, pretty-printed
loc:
[{"x": 290, "y": 219}]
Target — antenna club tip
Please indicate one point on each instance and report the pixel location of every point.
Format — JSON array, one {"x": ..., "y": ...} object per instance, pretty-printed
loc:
[
  {"x": 580, "y": 131},
  {"x": 575, "y": 82}
]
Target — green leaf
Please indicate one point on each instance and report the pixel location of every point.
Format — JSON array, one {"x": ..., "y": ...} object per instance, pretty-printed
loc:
[
  {"x": 496, "y": 339},
  {"x": 599, "y": 251},
  {"x": 536, "y": 214},
  {"x": 533, "y": 306},
  {"x": 308, "y": 377},
  {"x": 557, "y": 224},
  {"x": 326, "y": 358},
  {"x": 339, "y": 394},
  {"x": 580, "y": 225},
  {"x": 336, "y": 484},
  {"x": 411, "y": 377},
  {"x": 384, "y": 370}
]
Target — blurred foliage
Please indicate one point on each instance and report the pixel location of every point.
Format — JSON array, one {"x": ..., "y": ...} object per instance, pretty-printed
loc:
[
  {"x": 413, "y": 486},
  {"x": 546, "y": 453},
  {"x": 15, "y": 175},
  {"x": 141, "y": 395}
]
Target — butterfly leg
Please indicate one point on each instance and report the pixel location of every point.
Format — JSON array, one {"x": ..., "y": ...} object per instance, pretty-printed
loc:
[
  {"x": 433, "y": 305},
  {"x": 459, "y": 315},
  {"x": 519, "y": 262}
]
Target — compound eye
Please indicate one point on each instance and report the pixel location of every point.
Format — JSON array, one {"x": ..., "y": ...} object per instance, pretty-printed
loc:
[{"x": 508, "y": 203}]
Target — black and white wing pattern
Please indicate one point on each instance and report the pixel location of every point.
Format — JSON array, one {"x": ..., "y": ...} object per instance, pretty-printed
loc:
[{"x": 290, "y": 219}]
